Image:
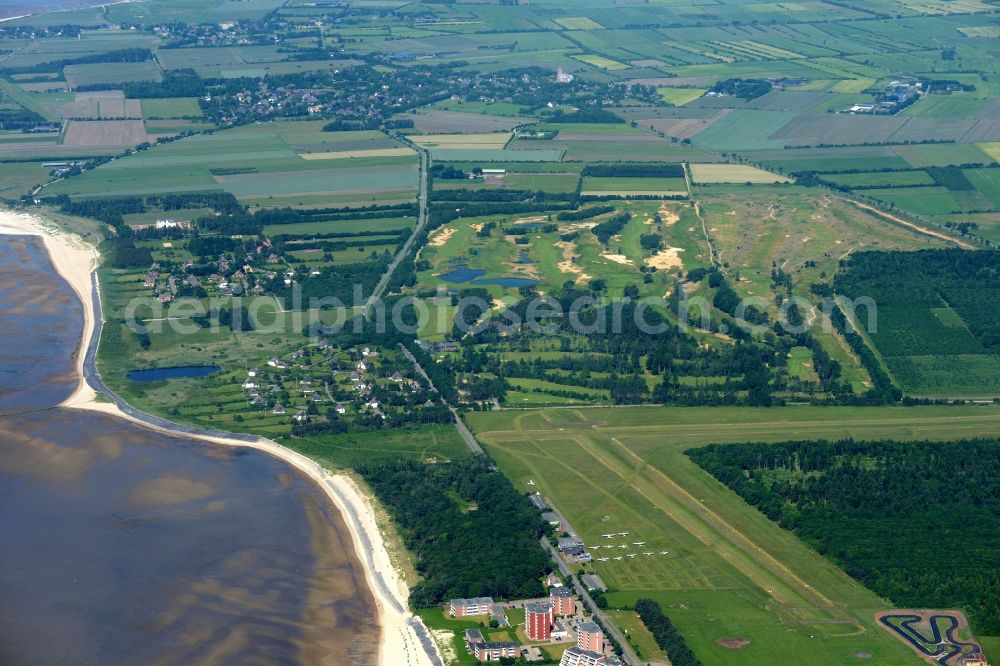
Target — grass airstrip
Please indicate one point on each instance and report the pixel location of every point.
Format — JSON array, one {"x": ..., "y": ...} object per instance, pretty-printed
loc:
[{"x": 727, "y": 572}]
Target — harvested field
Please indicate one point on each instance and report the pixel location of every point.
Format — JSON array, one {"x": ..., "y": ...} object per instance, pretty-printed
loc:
[
  {"x": 683, "y": 128},
  {"x": 733, "y": 173},
  {"x": 94, "y": 133},
  {"x": 810, "y": 129}
]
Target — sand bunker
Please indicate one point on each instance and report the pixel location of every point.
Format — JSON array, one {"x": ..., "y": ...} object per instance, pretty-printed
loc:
[
  {"x": 666, "y": 259},
  {"x": 441, "y": 237},
  {"x": 668, "y": 216},
  {"x": 567, "y": 265},
  {"x": 733, "y": 643},
  {"x": 617, "y": 258}
]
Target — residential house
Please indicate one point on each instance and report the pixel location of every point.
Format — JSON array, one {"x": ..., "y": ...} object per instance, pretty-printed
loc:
[{"x": 469, "y": 607}]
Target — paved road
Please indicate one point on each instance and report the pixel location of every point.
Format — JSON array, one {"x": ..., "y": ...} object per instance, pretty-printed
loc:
[
  {"x": 463, "y": 431},
  {"x": 422, "y": 198},
  {"x": 629, "y": 656}
]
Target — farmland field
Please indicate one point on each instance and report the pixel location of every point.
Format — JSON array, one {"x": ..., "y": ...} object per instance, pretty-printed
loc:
[
  {"x": 171, "y": 107},
  {"x": 679, "y": 96},
  {"x": 634, "y": 186},
  {"x": 625, "y": 469},
  {"x": 267, "y": 165},
  {"x": 732, "y": 173}
]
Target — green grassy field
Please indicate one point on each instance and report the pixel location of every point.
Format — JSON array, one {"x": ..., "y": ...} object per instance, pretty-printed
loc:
[
  {"x": 729, "y": 571},
  {"x": 171, "y": 107},
  {"x": 638, "y": 186}
]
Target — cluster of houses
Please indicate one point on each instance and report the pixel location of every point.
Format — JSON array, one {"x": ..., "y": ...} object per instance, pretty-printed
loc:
[
  {"x": 231, "y": 276},
  {"x": 320, "y": 375},
  {"x": 545, "y": 620}
]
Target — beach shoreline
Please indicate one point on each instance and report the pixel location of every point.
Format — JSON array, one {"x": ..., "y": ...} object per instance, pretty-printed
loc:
[{"x": 74, "y": 260}]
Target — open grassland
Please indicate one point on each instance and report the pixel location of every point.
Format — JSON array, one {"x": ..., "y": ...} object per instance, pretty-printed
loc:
[
  {"x": 728, "y": 572},
  {"x": 622, "y": 186},
  {"x": 110, "y": 73},
  {"x": 171, "y": 107}
]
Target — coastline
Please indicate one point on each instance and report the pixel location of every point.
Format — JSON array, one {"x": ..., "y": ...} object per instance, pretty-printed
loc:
[{"x": 401, "y": 632}]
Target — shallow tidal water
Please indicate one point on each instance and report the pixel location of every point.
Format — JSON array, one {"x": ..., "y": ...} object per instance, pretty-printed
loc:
[{"x": 120, "y": 545}]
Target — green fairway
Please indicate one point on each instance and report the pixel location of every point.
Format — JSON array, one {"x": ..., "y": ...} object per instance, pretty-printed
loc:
[{"x": 729, "y": 572}]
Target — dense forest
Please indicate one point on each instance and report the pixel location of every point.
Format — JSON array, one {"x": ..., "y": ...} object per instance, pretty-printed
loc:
[
  {"x": 666, "y": 635},
  {"x": 914, "y": 292},
  {"x": 917, "y": 522},
  {"x": 472, "y": 532}
]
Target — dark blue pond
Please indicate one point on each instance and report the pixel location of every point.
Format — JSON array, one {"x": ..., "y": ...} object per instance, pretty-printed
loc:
[
  {"x": 508, "y": 282},
  {"x": 463, "y": 274},
  {"x": 156, "y": 374}
]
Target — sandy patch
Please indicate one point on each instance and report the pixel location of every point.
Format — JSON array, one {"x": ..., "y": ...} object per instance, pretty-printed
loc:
[
  {"x": 666, "y": 259},
  {"x": 567, "y": 265},
  {"x": 733, "y": 643},
  {"x": 668, "y": 216},
  {"x": 617, "y": 258},
  {"x": 441, "y": 236}
]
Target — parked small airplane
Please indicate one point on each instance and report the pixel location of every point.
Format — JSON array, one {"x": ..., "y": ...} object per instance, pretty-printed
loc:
[
  {"x": 632, "y": 554},
  {"x": 618, "y": 558}
]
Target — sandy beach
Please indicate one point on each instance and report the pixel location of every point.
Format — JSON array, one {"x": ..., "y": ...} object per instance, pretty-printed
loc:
[{"x": 74, "y": 260}]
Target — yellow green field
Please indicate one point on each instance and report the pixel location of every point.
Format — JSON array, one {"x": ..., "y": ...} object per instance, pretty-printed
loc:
[
  {"x": 733, "y": 173},
  {"x": 991, "y": 148},
  {"x": 601, "y": 62},
  {"x": 679, "y": 96},
  {"x": 579, "y": 23}
]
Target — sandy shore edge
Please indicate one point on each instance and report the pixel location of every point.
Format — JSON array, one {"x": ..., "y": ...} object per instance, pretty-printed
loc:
[{"x": 74, "y": 260}]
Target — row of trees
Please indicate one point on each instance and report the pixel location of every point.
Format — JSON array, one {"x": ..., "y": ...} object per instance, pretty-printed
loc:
[{"x": 667, "y": 637}]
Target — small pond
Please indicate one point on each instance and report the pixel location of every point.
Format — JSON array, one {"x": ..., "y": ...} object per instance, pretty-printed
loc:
[
  {"x": 156, "y": 374},
  {"x": 465, "y": 275},
  {"x": 508, "y": 282}
]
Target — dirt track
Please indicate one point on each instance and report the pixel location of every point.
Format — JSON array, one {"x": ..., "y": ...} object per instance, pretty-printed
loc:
[{"x": 916, "y": 227}]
